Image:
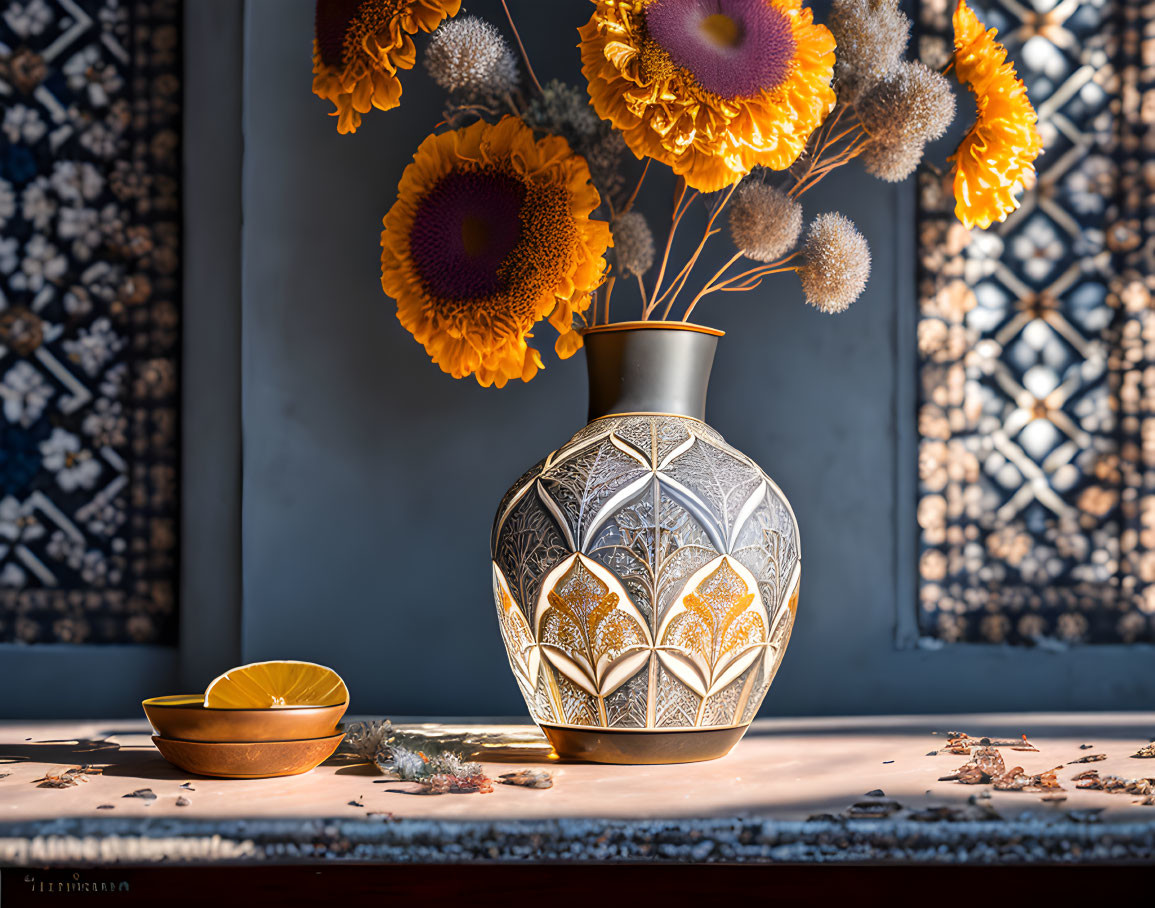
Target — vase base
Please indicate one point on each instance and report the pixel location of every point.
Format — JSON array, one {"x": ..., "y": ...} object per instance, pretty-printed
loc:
[{"x": 637, "y": 746}]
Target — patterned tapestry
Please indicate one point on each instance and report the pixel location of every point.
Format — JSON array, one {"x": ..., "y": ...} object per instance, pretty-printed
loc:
[
  {"x": 89, "y": 320},
  {"x": 1036, "y": 360}
]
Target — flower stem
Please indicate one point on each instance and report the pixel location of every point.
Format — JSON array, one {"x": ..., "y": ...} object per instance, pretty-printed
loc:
[
  {"x": 524, "y": 55},
  {"x": 856, "y": 146},
  {"x": 824, "y": 144},
  {"x": 684, "y": 275},
  {"x": 634, "y": 195},
  {"x": 677, "y": 216},
  {"x": 820, "y": 142},
  {"x": 753, "y": 278},
  {"x": 755, "y": 275},
  {"x": 709, "y": 284}
]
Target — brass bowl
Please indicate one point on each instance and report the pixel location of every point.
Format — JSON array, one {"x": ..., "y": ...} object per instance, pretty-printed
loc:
[
  {"x": 186, "y": 718},
  {"x": 256, "y": 760}
]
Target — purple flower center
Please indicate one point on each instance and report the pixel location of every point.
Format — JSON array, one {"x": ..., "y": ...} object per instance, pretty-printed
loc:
[
  {"x": 733, "y": 48},
  {"x": 330, "y": 25},
  {"x": 464, "y": 229}
]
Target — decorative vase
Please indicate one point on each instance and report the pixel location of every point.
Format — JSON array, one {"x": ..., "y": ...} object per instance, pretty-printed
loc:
[{"x": 645, "y": 573}]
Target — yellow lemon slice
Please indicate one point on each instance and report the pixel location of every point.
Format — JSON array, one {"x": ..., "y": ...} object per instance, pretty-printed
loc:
[{"x": 270, "y": 685}]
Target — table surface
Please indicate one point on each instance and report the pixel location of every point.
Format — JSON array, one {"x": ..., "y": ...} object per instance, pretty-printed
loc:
[{"x": 784, "y": 793}]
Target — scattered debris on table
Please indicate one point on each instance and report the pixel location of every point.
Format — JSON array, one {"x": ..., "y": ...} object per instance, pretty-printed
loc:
[
  {"x": 1145, "y": 788},
  {"x": 405, "y": 757},
  {"x": 67, "y": 778},
  {"x": 961, "y": 743},
  {"x": 106, "y": 807},
  {"x": 452, "y": 783},
  {"x": 986, "y": 767},
  {"x": 441, "y": 773},
  {"x": 145, "y": 794},
  {"x": 357, "y": 802},
  {"x": 528, "y": 778},
  {"x": 182, "y": 801},
  {"x": 187, "y": 786},
  {"x": 876, "y": 793},
  {"x": 1018, "y": 780}
]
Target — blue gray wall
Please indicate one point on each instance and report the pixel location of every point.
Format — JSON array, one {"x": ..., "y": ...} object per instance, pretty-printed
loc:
[{"x": 370, "y": 478}]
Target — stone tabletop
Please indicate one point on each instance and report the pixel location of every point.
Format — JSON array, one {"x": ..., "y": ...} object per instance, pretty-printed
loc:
[{"x": 834, "y": 789}]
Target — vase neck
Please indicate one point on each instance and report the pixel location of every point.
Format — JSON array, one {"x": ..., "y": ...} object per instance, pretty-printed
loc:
[{"x": 640, "y": 367}]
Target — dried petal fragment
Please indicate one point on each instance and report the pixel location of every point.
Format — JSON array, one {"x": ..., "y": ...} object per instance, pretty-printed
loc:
[
  {"x": 444, "y": 783},
  {"x": 67, "y": 778},
  {"x": 1026, "y": 745},
  {"x": 1115, "y": 784},
  {"x": 528, "y": 778},
  {"x": 1017, "y": 780}
]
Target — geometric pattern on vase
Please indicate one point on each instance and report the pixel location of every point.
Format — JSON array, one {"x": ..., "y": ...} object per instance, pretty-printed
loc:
[
  {"x": 645, "y": 576},
  {"x": 1034, "y": 353},
  {"x": 90, "y": 294}
]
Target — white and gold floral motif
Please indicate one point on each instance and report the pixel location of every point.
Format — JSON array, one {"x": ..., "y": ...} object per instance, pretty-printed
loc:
[
  {"x": 524, "y": 653},
  {"x": 589, "y": 629},
  {"x": 716, "y": 630}
]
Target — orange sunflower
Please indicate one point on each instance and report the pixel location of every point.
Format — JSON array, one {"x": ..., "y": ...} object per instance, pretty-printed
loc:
[
  {"x": 997, "y": 157},
  {"x": 712, "y": 88},
  {"x": 359, "y": 46},
  {"x": 490, "y": 234}
]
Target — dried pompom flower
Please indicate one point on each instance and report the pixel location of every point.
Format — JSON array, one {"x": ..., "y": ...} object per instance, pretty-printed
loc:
[
  {"x": 368, "y": 739},
  {"x": 633, "y": 243},
  {"x": 912, "y": 104},
  {"x": 470, "y": 58},
  {"x": 408, "y": 765},
  {"x": 764, "y": 221},
  {"x": 564, "y": 109},
  {"x": 837, "y": 263},
  {"x": 893, "y": 163},
  {"x": 871, "y": 36}
]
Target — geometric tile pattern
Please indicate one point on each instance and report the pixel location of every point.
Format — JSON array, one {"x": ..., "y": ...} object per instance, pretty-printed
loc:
[
  {"x": 1036, "y": 385},
  {"x": 90, "y": 109}
]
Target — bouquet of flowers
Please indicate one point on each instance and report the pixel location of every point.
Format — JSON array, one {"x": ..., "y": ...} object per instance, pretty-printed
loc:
[{"x": 521, "y": 205}]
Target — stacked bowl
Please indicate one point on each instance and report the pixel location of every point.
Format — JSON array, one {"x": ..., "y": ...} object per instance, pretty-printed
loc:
[{"x": 253, "y": 722}]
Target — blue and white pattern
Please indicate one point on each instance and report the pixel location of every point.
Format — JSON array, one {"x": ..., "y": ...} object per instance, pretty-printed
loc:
[
  {"x": 1034, "y": 506},
  {"x": 90, "y": 94}
]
